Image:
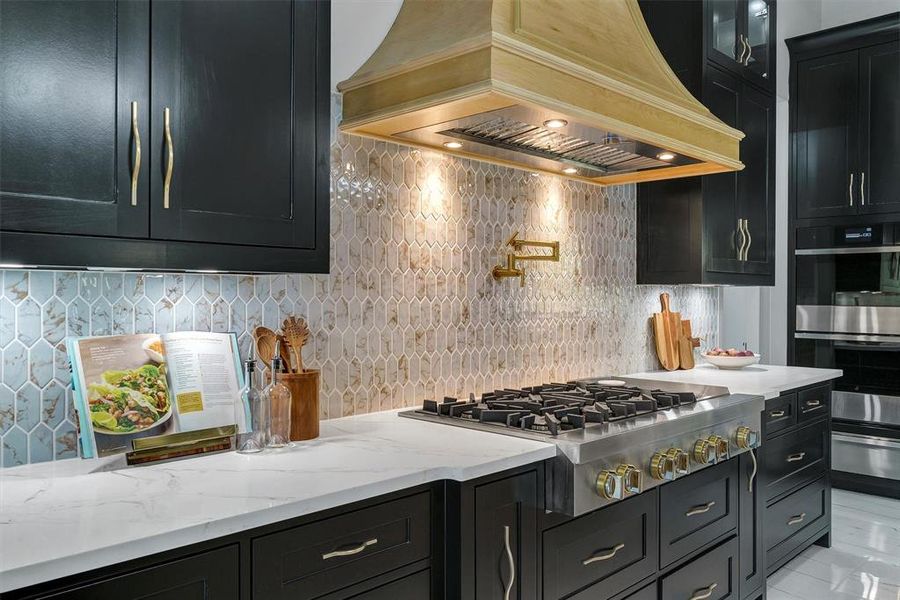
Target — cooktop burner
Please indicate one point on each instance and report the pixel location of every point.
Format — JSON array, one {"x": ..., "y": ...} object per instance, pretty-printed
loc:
[{"x": 556, "y": 408}]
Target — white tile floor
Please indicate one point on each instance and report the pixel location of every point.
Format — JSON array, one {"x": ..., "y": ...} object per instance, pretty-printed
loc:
[{"x": 863, "y": 562}]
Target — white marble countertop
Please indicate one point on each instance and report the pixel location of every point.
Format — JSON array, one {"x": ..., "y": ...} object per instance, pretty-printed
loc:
[
  {"x": 758, "y": 380},
  {"x": 66, "y": 517}
]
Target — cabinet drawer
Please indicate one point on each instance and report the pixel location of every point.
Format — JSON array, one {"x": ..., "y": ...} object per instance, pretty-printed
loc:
[
  {"x": 417, "y": 585},
  {"x": 804, "y": 510},
  {"x": 697, "y": 510},
  {"x": 780, "y": 414},
  {"x": 814, "y": 403},
  {"x": 645, "y": 593},
  {"x": 714, "y": 573},
  {"x": 602, "y": 553},
  {"x": 314, "y": 559},
  {"x": 794, "y": 458}
]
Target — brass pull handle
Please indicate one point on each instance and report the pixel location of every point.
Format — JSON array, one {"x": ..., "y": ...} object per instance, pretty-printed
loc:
[
  {"x": 170, "y": 163},
  {"x": 851, "y": 189},
  {"x": 796, "y": 457},
  {"x": 512, "y": 563},
  {"x": 740, "y": 254},
  {"x": 776, "y": 414},
  {"x": 743, "y": 49},
  {"x": 749, "y": 52},
  {"x": 813, "y": 403},
  {"x": 136, "y": 165},
  {"x": 862, "y": 188},
  {"x": 607, "y": 554},
  {"x": 699, "y": 510},
  {"x": 749, "y": 239},
  {"x": 351, "y": 551},
  {"x": 753, "y": 472},
  {"x": 796, "y": 519},
  {"x": 704, "y": 593}
]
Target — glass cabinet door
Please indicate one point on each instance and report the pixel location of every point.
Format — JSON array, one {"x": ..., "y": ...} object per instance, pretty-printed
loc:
[
  {"x": 756, "y": 55},
  {"x": 724, "y": 42}
]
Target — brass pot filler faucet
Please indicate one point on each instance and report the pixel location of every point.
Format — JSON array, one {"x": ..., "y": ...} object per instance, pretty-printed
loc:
[{"x": 511, "y": 269}]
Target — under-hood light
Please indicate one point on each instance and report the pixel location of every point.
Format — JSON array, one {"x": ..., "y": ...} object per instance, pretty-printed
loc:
[
  {"x": 555, "y": 123},
  {"x": 570, "y": 170},
  {"x": 665, "y": 156},
  {"x": 453, "y": 145}
]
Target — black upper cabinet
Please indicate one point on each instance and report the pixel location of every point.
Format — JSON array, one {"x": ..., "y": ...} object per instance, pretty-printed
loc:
[
  {"x": 239, "y": 84},
  {"x": 845, "y": 121},
  {"x": 230, "y": 101},
  {"x": 69, "y": 73},
  {"x": 716, "y": 229},
  {"x": 740, "y": 37}
]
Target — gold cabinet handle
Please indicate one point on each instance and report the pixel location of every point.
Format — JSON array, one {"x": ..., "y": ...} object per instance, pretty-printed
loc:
[
  {"x": 752, "y": 472},
  {"x": 862, "y": 188},
  {"x": 743, "y": 49},
  {"x": 749, "y": 52},
  {"x": 170, "y": 163},
  {"x": 813, "y": 403},
  {"x": 776, "y": 414},
  {"x": 512, "y": 563},
  {"x": 351, "y": 551},
  {"x": 606, "y": 555},
  {"x": 699, "y": 510},
  {"x": 796, "y": 457},
  {"x": 749, "y": 239},
  {"x": 704, "y": 593},
  {"x": 850, "y": 189},
  {"x": 740, "y": 253},
  {"x": 797, "y": 519},
  {"x": 136, "y": 165}
]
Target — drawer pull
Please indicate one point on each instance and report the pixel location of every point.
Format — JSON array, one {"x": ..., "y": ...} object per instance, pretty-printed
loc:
[
  {"x": 813, "y": 403},
  {"x": 170, "y": 163},
  {"x": 797, "y": 519},
  {"x": 796, "y": 457},
  {"x": 607, "y": 554},
  {"x": 776, "y": 414},
  {"x": 351, "y": 551},
  {"x": 136, "y": 166},
  {"x": 699, "y": 510},
  {"x": 512, "y": 563},
  {"x": 704, "y": 593}
]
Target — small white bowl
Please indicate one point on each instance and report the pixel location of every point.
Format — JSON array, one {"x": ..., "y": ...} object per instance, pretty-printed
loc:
[
  {"x": 731, "y": 362},
  {"x": 151, "y": 353}
]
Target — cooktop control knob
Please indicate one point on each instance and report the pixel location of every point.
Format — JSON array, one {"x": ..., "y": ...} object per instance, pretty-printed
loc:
[
  {"x": 662, "y": 467},
  {"x": 746, "y": 437},
  {"x": 609, "y": 485},
  {"x": 632, "y": 479},
  {"x": 704, "y": 452},
  {"x": 722, "y": 447},
  {"x": 681, "y": 460}
]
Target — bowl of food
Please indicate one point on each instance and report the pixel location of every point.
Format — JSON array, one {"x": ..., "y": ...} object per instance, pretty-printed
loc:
[
  {"x": 131, "y": 401},
  {"x": 154, "y": 349},
  {"x": 730, "y": 358}
]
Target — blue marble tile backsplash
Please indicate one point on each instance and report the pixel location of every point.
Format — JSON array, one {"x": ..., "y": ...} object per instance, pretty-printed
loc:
[{"x": 409, "y": 309}]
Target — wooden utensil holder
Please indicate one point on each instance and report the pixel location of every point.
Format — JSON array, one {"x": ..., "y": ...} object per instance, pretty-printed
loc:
[{"x": 304, "y": 389}]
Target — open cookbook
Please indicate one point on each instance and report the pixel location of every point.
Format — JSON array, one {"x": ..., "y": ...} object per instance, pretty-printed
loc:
[{"x": 134, "y": 386}]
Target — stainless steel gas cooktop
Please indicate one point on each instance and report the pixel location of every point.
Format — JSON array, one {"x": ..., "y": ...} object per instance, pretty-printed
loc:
[{"x": 615, "y": 437}]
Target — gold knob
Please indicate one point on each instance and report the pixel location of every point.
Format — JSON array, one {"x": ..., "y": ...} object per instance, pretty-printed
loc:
[
  {"x": 631, "y": 478},
  {"x": 722, "y": 447},
  {"x": 680, "y": 459},
  {"x": 704, "y": 452},
  {"x": 662, "y": 466},
  {"x": 746, "y": 437},
  {"x": 608, "y": 485}
]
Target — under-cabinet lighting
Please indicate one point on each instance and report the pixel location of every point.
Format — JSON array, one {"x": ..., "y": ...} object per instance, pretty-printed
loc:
[
  {"x": 453, "y": 145},
  {"x": 665, "y": 156},
  {"x": 555, "y": 123}
]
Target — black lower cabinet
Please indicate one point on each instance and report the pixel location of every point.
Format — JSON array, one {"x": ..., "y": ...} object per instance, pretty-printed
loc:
[
  {"x": 712, "y": 576},
  {"x": 417, "y": 585},
  {"x": 750, "y": 528},
  {"x": 212, "y": 575}
]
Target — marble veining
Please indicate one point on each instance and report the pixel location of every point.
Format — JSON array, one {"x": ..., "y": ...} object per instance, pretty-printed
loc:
[{"x": 108, "y": 514}]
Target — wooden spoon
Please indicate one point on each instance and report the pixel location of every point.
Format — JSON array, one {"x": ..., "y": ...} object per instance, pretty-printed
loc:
[
  {"x": 264, "y": 340},
  {"x": 285, "y": 354},
  {"x": 296, "y": 332}
]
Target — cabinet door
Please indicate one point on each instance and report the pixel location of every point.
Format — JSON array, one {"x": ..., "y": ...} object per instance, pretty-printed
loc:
[
  {"x": 879, "y": 140},
  {"x": 723, "y": 32},
  {"x": 826, "y": 136},
  {"x": 69, "y": 72},
  {"x": 721, "y": 94},
  {"x": 756, "y": 183},
  {"x": 505, "y": 553},
  {"x": 750, "y": 516},
  {"x": 209, "y": 576},
  {"x": 759, "y": 37},
  {"x": 238, "y": 79}
]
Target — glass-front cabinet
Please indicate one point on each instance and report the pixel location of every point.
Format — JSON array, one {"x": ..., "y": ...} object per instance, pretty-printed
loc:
[{"x": 740, "y": 37}]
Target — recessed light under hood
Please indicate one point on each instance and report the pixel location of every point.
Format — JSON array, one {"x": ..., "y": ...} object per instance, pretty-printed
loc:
[{"x": 571, "y": 87}]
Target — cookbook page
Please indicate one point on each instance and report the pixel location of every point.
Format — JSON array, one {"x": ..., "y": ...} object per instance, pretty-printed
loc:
[
  {"x": 121, "y": 392},
  {"x": 204, "y": 372}
]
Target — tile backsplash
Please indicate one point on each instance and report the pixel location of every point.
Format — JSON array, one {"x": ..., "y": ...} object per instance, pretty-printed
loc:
[{"x": 409, "y": 310}]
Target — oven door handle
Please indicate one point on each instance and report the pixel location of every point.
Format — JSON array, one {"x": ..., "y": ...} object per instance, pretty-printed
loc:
[{"x": 889, "y": 340}]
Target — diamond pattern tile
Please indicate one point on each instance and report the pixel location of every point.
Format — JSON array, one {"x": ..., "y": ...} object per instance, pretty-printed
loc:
[{"x": 408, "y": 310}]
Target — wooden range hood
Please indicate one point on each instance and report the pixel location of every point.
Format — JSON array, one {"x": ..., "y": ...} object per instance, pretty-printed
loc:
[{"x": 575, "y": 88}]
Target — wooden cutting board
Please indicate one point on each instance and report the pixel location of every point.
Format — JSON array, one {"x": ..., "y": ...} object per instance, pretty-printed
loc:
[
  {"x": 666, "y": 332},
  {"x": 686, "y": 346}
]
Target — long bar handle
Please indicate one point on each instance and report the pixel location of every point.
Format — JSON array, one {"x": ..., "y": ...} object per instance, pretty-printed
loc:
[
  {"x": 796, "y": 457},
  {"x": 862, "y": 188},
  {"x": 699, "y": 510},
  {"x": 797, "y": 519},
  {"x": 749, "y": 52},
  {"x": 704, "y": 593},
  {"x": 607, "y": 554},
  {"x": 743, "y": 239},
  {"x": 749, "y": 239},
  {"x": 743, "y": 48},
  {"x": 850, "y": 189},
  {"x": 170, "y": 163},
  {"x": 512, "y": 563},
  {"x": 753, "y": 472},
  {"x": 136, "y": 165},
  {"x": 351, "y": 551}
]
